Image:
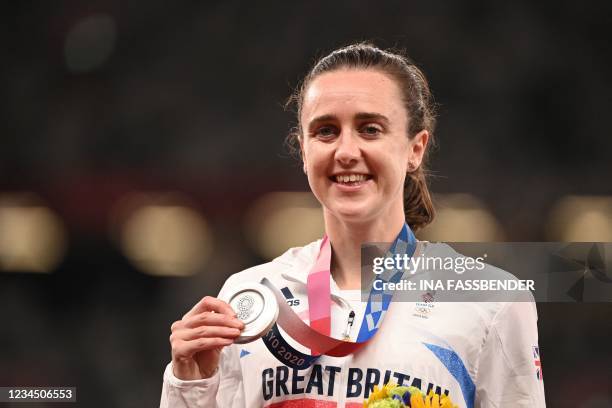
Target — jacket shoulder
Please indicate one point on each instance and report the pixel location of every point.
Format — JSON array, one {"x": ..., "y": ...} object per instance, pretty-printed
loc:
[{"x": 295, "y": 261}]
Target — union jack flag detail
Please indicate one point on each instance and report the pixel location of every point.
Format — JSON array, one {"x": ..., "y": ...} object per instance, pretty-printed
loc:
[{"x": 538, "y": 363}]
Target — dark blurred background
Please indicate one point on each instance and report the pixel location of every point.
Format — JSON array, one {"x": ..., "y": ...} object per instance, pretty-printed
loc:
[{"x": 142, "y": 162}]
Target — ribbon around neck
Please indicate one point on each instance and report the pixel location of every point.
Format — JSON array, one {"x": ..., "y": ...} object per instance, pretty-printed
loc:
[{"x": 317, "y": 337}]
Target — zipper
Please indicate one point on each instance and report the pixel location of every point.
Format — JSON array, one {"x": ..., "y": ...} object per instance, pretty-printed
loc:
[{"x": 349, "y": 325}]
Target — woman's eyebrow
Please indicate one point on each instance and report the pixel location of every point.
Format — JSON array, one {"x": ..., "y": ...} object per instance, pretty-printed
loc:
[
  {"x": 359, "y": 116},
  {"x": 323, "y": 118},
  {"x": 372, "y": 116}
]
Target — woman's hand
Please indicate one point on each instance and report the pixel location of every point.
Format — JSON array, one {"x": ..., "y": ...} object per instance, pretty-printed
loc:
[{"x": 198, "y": 338}]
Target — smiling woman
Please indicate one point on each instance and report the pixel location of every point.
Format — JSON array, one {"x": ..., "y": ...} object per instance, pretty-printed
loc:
[
  {"x": 365, "y": 137},
  {"x": 379, "y": 96},
  {"x": 365, "y": 121}
]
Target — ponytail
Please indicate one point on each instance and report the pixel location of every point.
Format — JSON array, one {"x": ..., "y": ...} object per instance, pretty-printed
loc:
[{"x": 418, "y": 205}]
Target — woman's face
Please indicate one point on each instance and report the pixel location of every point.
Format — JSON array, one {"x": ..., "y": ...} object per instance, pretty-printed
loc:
[{"x": 355, "y": 144}]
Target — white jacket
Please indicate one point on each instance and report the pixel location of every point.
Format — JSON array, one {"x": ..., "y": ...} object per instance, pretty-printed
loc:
[{"x": 484, "y": 354}]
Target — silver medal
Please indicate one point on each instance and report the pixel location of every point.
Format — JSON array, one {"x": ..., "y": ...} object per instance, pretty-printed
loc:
[{"x": 256, "y": 306}]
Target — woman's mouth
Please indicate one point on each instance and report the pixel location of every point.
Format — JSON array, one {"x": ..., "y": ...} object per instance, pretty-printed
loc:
[{"x": 350, "y": 179}]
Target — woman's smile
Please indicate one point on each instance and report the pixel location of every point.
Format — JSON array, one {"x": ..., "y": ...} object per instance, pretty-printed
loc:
[{"x": 350, "y": 182}]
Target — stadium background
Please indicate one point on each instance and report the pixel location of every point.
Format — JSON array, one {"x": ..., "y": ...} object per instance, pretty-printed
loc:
[{"x": 142, "y": 162}]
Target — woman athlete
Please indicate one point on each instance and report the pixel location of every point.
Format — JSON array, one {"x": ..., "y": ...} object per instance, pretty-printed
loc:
[{"x": 365, "y": 123}]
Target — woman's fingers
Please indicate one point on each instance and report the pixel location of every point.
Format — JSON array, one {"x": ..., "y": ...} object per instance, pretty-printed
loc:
[
  {"x": 214, "y": 319},
  {"x": 208, "y": 319},
  {"x": 208, "y": 327},
  {"x": 210, "y": 304},
  {"x": 205, "y": 332},
  {"x": 184, "y": 349}
]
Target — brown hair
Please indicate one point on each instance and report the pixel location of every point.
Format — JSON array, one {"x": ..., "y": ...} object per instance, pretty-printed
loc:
[{"x": 418, "y": 101}]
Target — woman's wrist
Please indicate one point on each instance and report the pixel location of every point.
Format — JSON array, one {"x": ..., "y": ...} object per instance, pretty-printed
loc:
[
  {"x": 189, "y": 371},
  {"x": 209, "y": 372}
]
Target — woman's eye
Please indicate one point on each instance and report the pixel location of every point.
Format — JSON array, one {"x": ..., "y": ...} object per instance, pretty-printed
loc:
[
  {"x": 371, "y": 130},
  {"x": 326, "y": 132}
]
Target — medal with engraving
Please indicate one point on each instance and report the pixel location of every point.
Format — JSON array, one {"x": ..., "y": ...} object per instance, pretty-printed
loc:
[{"x": 256, "y": 306}]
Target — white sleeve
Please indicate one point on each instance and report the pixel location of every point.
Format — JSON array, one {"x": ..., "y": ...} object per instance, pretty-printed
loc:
[
  {"x": 508, "y": 372},
  {"x": 196, "y": 393},
  {"x": 223, "y": 390}
]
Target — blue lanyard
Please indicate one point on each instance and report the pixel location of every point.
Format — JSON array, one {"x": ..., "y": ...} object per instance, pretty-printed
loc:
[{"x": 378, "y": 300}]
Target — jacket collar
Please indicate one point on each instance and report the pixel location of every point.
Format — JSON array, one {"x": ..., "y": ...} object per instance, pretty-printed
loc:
[{"x": 299, "y": 261}]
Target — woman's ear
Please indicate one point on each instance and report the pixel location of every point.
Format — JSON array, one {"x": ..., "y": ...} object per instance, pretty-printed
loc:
[{"x": 417, "y": 149}]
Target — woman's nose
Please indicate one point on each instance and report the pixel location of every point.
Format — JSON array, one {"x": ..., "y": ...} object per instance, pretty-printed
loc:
[{"x": 347, "y": 148}]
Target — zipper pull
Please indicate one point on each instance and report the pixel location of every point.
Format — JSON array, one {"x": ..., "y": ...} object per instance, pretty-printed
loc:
[{"x": 349, "y": 326}]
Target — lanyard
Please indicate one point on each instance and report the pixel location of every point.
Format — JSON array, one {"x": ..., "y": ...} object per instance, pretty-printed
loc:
[{"x": 317, "y": 335}]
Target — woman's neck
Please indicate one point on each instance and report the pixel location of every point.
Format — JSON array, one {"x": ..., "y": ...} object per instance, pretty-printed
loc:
[{"x": 346, "y": 240}]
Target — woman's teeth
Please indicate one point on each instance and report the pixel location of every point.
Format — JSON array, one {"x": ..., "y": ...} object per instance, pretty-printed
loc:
[{"x": 351, "y": 178}]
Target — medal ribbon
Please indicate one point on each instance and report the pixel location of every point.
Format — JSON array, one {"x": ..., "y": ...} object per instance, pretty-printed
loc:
[
  {"x": 317, "y": 336},
  {"x": 319, "y": 291}
]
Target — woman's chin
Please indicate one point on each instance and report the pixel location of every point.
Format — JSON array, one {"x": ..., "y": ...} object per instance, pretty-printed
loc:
[{"x": 352, "y": 214}]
